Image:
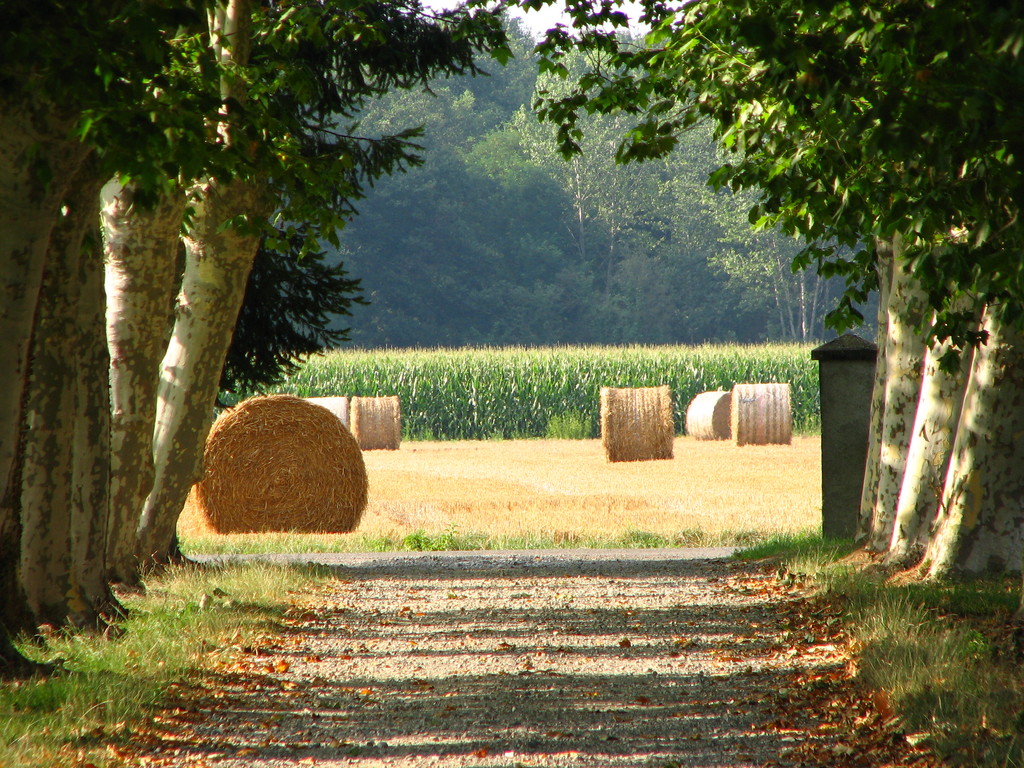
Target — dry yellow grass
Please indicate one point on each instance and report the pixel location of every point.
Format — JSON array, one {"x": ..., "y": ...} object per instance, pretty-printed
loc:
[{"x": 567, "y": 488}]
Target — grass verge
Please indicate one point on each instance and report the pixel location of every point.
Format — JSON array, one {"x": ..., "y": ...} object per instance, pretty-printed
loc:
[
  {"x": 947, "y": 656},
  {"x": 189, "y": 621},
  {"x": 452, "y": 538}
]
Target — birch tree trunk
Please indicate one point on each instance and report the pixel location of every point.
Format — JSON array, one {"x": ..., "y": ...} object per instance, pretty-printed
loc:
[
  {"x": 980, "y": 528},
  {"x": 142, "y": 270},
  {"x": 14, "y": 615},
  {"x": 48, "y": 575},
  {"x": 904, "y": 361},
  {"x": 931, "y": 446},
  {"x": 869, "y": 491}
]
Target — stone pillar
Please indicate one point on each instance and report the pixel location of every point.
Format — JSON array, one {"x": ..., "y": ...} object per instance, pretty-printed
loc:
[{"x": 846, "y": 372}]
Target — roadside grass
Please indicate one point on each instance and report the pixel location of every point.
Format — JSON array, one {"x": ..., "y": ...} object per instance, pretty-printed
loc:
[
  {"x": 452, "y": 539},
  {"x": 947, "y": 656},
  {"x": 105, "y": 690}
]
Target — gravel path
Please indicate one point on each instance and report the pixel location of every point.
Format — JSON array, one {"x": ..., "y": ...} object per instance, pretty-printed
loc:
[{"x": 662, "y": 658}]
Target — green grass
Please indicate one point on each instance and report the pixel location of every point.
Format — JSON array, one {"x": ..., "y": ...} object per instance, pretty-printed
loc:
[
  {"x": 948, "y": 654},
  {"x": 453, "y": 539},
  {"x": 806, "y": 553},
  {"x": 479, "y": 394},
  {"x": 107, "y": 689}
]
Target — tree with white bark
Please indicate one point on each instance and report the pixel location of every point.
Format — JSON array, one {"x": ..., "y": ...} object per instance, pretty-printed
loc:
[
  {"x": 92, "y": 492},
  {"x": 54, "y": 405},
  {"x": 892, "y": 129}
]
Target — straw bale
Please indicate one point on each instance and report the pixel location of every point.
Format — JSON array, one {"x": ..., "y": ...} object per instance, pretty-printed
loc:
[
  {"x": 761, "y": 414},
  {"x": 707, "y": 416},
  {"x": 637, "y": 424},
  {"x": 376, "y": 422},
  {"x": 279, "y": 463},
  {"x": 336, "y": 405}
]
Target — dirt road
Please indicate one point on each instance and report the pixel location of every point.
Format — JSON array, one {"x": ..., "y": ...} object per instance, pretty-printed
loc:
[{"x": 663, "y": 658}]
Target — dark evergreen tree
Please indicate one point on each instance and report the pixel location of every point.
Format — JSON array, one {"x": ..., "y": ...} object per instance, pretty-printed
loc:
[{"x": 291, "y": 298}]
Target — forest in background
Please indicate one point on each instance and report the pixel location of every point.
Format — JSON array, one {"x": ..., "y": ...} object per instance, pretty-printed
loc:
[{"x": 497, "y": 240}]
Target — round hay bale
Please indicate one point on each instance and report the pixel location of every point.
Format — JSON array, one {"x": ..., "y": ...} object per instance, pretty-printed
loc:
[
  {"x": 637, "y": 423},
  {"x": 279, "y": 463},
  {"x": 761, "y": 414},
  {"x": 708, "y": 414},
  {"x": 336, "y": 405},
  {"x": 376, "y": 422}
]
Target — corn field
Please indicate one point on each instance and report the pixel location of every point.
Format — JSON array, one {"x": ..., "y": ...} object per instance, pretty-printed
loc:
[{"x": 495, "y": 393}]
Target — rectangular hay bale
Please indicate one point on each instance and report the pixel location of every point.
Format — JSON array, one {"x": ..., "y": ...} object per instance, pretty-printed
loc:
[
  {"x": 376, "y": 422},
  {"x": 637, "y": 423},
  {"x": 761, "y": 414}
]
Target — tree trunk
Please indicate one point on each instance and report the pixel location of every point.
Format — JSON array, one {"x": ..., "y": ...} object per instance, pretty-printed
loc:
[
  {"x": 931, "y": 446},
  {"x": 91, "y": 446},
  {"x": 219, "y": 252},
  {"x": 904, "y": 362},
  {"x": 14, "y": 614},
  {"x": 218, "y": 260},
  {"x": 142, "y": 277},
  {"x": 980, "y": 528},
  {"x": 29, "y": 209},
  {"x": 869, "y": 491},
  {"x": 54, "y": 593}
]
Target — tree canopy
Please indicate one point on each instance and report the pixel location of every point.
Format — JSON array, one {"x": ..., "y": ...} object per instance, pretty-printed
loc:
[
  {"x": 497, "y": 240},
  {"x": 892, "y": 128},
  {"x": 851, "y": 120}
]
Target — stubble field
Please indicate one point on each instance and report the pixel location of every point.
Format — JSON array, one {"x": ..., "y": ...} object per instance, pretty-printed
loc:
[{"x": 490, "y": 494}]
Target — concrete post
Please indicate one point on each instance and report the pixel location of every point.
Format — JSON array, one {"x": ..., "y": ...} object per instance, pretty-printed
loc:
[{"x": 846, "y": 371}]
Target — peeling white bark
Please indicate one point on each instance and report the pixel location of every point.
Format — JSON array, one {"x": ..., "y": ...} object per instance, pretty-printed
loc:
[
  {"x": 869, "y": 490},
  {"x": 219, "y": 252},
  {"x": 29, "y": 210},
  {"x": 49, "y": 577},
  {"x": 218, "y": 260},
  {"x": 91, "y": 438}
]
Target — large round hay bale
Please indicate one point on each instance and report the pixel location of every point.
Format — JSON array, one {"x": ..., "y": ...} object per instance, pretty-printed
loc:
[
  {"x": 761, "y": 414},
  {"x": 636, "y": 423},
  {"x": 279, "y": 463},
  {"x": 708, "y": 414},
  {"x": 336, "y": 405},
  {"x": 376, "y": 422}
]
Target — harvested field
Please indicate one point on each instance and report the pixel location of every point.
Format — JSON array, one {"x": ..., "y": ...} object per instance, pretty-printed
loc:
[
  {"x": 564, "y": 491},
  {"x": 566, "y": 487}
]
